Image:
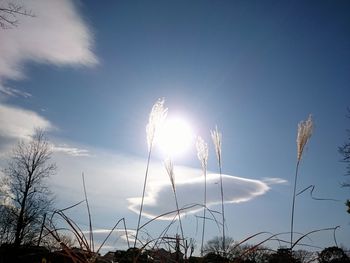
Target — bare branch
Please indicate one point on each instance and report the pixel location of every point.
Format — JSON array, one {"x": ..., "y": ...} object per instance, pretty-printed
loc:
[
  {"x": 9, "y": 15},
  {"x": 26, "y": 172}
]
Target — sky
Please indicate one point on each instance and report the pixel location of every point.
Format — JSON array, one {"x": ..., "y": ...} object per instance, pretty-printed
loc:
[{"x": 89, "y": 73}]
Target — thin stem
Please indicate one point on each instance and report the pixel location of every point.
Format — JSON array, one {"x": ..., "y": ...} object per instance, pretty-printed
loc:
[
  {"x": 143, "y": 192},
  {"x": 293, "y": 204},
  {"x": 126, "y": 233},
  {"x": 110, "y": 232},
  {"x": 222, "y": 209},
  {"x": 204, "y": 209},
  {"x": 91, "y": 234},
  {"x": 181, "y": 228},
  {"x": 164, "y": 232}
]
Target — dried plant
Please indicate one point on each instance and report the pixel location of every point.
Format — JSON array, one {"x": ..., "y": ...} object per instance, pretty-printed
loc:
[
  {"x": 304, "y": 134},
  {"x": 217, "y": 140},
  {"x": 169, "y": 166},
  {"x": 85, "y": 252},
  {"x": 156, "y": 119},
  {"x": 202, "y": 154}
]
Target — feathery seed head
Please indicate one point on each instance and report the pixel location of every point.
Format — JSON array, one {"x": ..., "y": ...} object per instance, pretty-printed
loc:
[
  {"x": 170, "y": 170},
  {"x": 202, "y": 152},
  {"x": 304, "y": 133},
  {"x": 156, "y": 119},
  {"x": 217, "y": 137}
]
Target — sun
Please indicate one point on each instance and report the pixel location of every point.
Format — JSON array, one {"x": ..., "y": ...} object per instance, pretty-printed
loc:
[{"x": 175, "y": 137}]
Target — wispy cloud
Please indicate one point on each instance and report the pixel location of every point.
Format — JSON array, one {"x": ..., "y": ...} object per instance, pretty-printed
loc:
[
  {"x": 56, "y": 35},
  {"x": 119, "y": 178},
  {"x": 18, "y": 123},
  {"x": 237, "y": 189},
  {"x": 72, "y": 151},
  {"x": 101, "y": 234},
  {"x": 274, "y": 180}
]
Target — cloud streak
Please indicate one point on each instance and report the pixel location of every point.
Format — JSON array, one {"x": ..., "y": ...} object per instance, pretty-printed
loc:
[
  {"x": 72, "y": 151},
  {"x": 159, "y": 199},
  {"x": 56, "y": 35},
  {"x": 20, "y": 124}
]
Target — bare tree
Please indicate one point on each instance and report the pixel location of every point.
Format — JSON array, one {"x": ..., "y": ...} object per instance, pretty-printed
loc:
[
  {"x": 304, "y": 256},
  {"x": 29, "y": 196},
  {"x": 9, "y": 13},
  {"x": 53, "y": 244},
  {"x": 214, "y": 246},
  {"x": 334, "y": 255},
  {"x": 237, "y": 252},
  {"x": 6, "y": 219},
  {"x": 344, "y": 150},
  {"x": 6, "y": 224}
]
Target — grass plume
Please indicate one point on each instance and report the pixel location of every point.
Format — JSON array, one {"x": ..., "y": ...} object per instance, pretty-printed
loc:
[
  {"x": 305, "y": 129},
  {"x": 156, "y": 119},
  {"x": 202, "y": 154},
  {"x": 169, "y": 166},
  {"x": 217, "y": 140}
]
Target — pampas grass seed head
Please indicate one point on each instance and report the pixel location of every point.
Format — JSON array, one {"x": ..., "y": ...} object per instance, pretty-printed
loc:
[
  {"x": 304, "y": 133},
  {"x": 156, "y": 119},
  {"x": 217, "y": 138},
  {"x": 170, "y": 170},
  {"x": 202, "y": 152}
]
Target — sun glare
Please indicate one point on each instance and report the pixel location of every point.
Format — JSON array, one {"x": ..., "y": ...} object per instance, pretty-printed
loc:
[{"x": 175, "y": 137}]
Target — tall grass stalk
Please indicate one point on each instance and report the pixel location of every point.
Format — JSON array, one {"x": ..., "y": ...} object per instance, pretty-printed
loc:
[
  {"x": 156, "y": 119},
  {"x": 79, "y": 235},
  {"x": 170, "y": 170},
  {"x": 304, "y": 134},
  {"x": 202, "y": 154},
  {"x": 91, "y": 233},
  {"x": 217, "y": 140}
]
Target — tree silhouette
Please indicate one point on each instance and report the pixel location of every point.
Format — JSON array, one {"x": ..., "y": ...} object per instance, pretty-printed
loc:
[
  {"x": 29, "y": 197},
  {"x": 333, "y": 255},
  {"x": 344, "y": 150},
  {"x": 283, "y": 255}
]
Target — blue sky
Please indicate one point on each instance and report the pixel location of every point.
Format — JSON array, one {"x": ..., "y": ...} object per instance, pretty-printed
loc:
[{"x": 91, "y": 72}]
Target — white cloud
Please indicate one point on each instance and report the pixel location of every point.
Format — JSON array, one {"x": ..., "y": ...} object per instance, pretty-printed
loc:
[
  {"x": 273, "y": 180},
  {"x": 120, "y": 232},
  {"x": 114, "y": 184},
  {"x": 18, "y": 123},
  {"x": 73, "y": 151},
  {"x": 56, "y": 35},
  {"x": 12, "y": 91},
  {"x": 160, "y": 198},
  {"x": 110, "y": 179}
]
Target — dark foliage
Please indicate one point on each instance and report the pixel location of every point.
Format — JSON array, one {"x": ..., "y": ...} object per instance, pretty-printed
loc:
[{"x": 333, "y": 255}]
